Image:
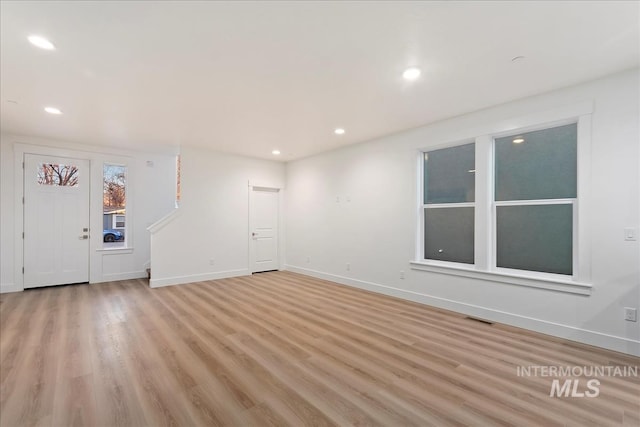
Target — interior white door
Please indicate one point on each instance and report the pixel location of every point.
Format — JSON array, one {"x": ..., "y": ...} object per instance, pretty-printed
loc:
[
  {"x": 264, "y": 229},
  {"x": 56, "y": 220}
]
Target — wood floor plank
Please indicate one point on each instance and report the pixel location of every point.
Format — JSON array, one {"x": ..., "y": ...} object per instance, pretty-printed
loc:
[
  {"x": 74, "y": 402},
  {"x": 281, "y": 349},
  {"x": 387, "y": 353}
]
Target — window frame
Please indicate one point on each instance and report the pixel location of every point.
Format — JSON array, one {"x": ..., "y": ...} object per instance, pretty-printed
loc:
[
  {"x": 485, "y": 266},
  {"x": 539, "y": 202},
  {"x": 496, "y": 203},
  {"x": 115, "y": 220},
  {"x": 127, "y": 244},
  {"x": 425, "y": 206}
]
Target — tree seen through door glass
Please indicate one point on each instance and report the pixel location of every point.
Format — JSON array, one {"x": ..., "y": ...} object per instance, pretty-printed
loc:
[{"x": 55, "y": 174}]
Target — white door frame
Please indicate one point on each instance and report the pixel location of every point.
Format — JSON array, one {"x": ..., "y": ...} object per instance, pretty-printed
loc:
[
  {"x": 250, "y": 246},
  {"x": 78, "y": 264},
  {"x": 97, "y": 157},
  {"x": 19, "y": 152}
]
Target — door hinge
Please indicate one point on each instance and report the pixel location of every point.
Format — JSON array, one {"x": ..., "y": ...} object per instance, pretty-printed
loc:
[
  {"x": 23, "y": 234},
  {"x": 22, "y": 270},
  {"x": 22, "y": 165},
  {"x": 23, "y": 200}
]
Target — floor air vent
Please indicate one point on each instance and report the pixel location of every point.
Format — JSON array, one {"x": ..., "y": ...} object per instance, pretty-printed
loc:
[{"x": 475, "y": 319}]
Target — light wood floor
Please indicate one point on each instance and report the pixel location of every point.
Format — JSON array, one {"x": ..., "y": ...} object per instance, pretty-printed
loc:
[{"x": 279, "y": 349}]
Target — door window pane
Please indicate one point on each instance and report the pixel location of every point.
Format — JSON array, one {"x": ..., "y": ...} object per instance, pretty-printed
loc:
[
  {"x": 537, "y": 165},
  {"x": 449, "y": 175},
  {"x": 448, "y": 234},
  {"x": 55, "y": 174},
  {"x": 535, "y": 238}
]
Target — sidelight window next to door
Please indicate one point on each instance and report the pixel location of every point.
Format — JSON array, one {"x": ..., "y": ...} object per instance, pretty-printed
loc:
[{"x": 114, "y": 206}]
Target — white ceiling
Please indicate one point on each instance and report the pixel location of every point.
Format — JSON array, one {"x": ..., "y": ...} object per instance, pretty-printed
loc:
[{"x": 249, "y": 77}]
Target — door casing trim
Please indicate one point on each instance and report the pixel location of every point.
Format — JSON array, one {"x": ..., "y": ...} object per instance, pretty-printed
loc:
[
  {"x": 19, "y": 152},
  {"x": 260, "y": 186}
]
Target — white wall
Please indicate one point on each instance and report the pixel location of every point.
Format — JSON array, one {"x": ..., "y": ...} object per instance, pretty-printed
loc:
[
  {"x": 373, "y": 225},
  {"x": 150, "y": 196},
  {"x": 212, "y": 222},
  {"x": 6, "y": 215}
]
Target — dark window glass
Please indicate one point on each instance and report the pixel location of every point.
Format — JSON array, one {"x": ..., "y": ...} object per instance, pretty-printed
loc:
[
  {"x": 535, "y": 238},
  {"x": 537, "y": 165},
  {"x": 449, "y": 234},
  {"x": 449, "y": 175}
]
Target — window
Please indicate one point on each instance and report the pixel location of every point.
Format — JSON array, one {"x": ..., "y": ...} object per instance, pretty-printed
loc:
[
  {"x": 448, "y": 204},
  {"x": 535, "y": 191},
  {"x": 118, "y": 221},
  {"x": 60, "y": 175},
  {"x": 510, "y": 207},
  {"x": 114, "y": 205}
]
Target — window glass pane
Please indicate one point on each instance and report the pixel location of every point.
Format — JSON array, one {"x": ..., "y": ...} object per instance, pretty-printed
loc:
[
  {"x": 61, "y": 175},
  {"x": 114, "y": 205},
  {"x": 449, "y": 175},
  {"x": 448, "y": 234},
  {"x": 535, "y": 238},
  {"x": 537, "y": 165}
]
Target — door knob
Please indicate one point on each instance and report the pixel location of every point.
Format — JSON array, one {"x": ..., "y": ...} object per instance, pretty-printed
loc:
[{"x": 83, "y": 237}]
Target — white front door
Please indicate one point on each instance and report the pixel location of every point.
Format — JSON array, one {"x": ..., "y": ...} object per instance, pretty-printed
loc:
[
  {"x": 56, "y": 220},
  {"x": 263, "y": 239}
]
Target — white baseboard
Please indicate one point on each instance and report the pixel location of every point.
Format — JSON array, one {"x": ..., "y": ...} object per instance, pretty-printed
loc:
[
  {"x": 598, "y": 339},
  {"x": 11, "y": 287},
  {"x": 181, "y": 280},
  {"x": 5, "y": 288},
  {"x": 123, "y": 276}
]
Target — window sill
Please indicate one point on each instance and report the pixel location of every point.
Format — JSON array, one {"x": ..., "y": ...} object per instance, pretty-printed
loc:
[
  {"x": 113, "y": 251},
  {"x": 552, "y": 284}
]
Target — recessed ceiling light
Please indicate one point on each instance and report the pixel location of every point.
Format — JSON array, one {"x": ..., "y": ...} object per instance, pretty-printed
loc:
[
  {"x": 411, "y": 73},
  {"x": 275, "y": 152},
  {"x": 52, "y": 110},
  {"x": 518, "y": 140},
  {"x": 41, "y": 42},
  {"x": 339, "y": 131}
]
